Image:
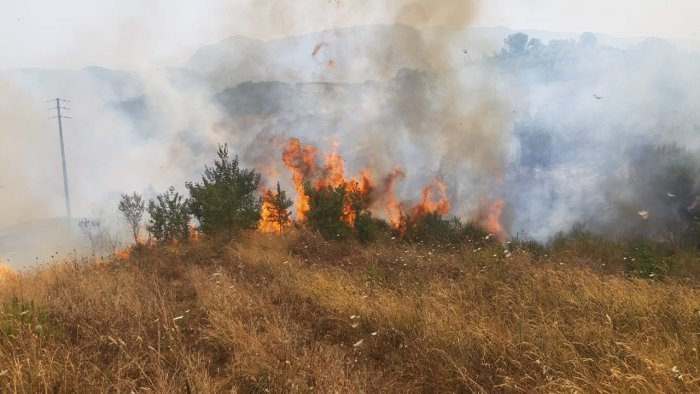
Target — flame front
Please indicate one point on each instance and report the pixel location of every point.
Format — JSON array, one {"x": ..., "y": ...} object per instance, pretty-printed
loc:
[
  {"x": 393, "y": 206},
  {"x": 6, "y": 274},
  {"x": 329, "y": 171},
  {"x": 492, "y": 220},
  {"x": 301, "y": 162},
  {"x": 267, "y": 220},
  {"x": 194, "y": 233},
  {"x": 431, "y": 203}
]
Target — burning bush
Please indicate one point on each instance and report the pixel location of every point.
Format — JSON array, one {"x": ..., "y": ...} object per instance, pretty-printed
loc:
[
  {"x": 275, "y": 210},
  {"x": 328, "y": 213}
]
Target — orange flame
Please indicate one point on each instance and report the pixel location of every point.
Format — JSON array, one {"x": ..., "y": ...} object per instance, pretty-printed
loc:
[
  {"x": 122, "y": 254},
  {"x": 362, "y": 187},
  {"x": 302, "y": 162},
  {"x": 432, "y": 203},
  {"x": 491, "y": 219},
  {"x": 333, "y": 172},
  {"x": 194, "y": 233},
  {"x": 6, "y": 274},
  {"x": 267, "y": 221},
  {"x": 392, "y": 206}
]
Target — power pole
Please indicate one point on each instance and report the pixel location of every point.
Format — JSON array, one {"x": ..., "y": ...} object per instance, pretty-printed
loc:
[{"x": 58, "y": 116}]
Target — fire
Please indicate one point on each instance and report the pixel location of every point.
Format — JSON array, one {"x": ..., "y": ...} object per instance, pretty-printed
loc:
[
  {"x": 6, "y": 274},
  {"x": 433, "y": 203},
  {"x": 361, "y": 187},
  {"x": 267, "y": 221},
  {"x": 307, "y": 167},
  {"x": 194, "y": 233},
  {"x": 122, "y": 254},
  {"x": 492, "y": 219},
  {"x": 333, "y": 172},
  {"x": 393, "y": 207},
  {"x": 266, "y": 224},
  {"x": 302, "y": 162}
]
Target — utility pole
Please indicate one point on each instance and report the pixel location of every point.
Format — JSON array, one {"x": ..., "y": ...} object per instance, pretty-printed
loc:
[{"x": 58, "y": 116}]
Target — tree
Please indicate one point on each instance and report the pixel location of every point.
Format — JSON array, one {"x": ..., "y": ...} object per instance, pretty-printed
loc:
[
  {"x": 170, "y": 217},
  {"x": 515, "y": 43},
  {"x": 226, "y": 199},
  {"x": 94, "y": 232},
  {"x": 277, "y": 207},
  {"x": 588, "y": 40},
  {"x": 132, "y": 207},
  {"x": 535, "y": 44}
]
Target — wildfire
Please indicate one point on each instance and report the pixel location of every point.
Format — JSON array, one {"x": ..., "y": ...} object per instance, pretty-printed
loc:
[
  {"x": 491, "y": 219},
  {"x": 6, "y": 274},
  {"x": 434, "y": 200},
  {"x": 301, "y": 162},
  {"x": 361, "y": 187},
  {"x": 393, "y": 207},
  {"x": 309, "y": 168},
  {"x": 122, "y": 254},
  {"x": 267, "y": 220},
  {"x": 194, "y": 233}
]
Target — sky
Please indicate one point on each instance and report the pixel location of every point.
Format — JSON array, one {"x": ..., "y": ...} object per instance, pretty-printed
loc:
[{"x": 137, "y": 33}]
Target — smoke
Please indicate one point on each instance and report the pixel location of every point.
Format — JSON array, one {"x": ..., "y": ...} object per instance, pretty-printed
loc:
[
  {"x": 560, "y": 131},
  {"x": 596, "y": 145}
]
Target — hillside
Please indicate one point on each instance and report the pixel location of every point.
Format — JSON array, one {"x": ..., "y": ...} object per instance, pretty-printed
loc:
[{"x": 296, "y": 313}]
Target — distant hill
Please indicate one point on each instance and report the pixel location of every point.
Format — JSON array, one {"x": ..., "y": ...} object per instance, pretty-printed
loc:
[
  {"x": 351, "y": 54},
  {"x": 357, "y": 54}
]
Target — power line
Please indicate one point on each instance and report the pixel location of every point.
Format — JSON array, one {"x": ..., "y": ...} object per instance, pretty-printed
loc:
[{"x": 60, "y": 117}]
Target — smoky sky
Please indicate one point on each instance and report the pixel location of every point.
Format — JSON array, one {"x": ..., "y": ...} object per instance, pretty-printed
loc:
[
  {"x": 139, "y": 33},
  {"x": 419, "y": 92}
]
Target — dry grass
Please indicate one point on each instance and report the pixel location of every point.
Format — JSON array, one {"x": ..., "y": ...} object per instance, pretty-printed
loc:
[{"x": 294, "y": 313}]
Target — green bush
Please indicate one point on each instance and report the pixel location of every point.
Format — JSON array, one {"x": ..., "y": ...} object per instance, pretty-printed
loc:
[
  {"x": 227, "y": 198},
  {"x": 19, "y": 314},
  {"x": 132, "y": 207},
  {"x": 434, "y": 228},
  {"x": 367, "y": 227},
  {"x": 649, "y": 263},
  {"x": 170, "y": 217}
]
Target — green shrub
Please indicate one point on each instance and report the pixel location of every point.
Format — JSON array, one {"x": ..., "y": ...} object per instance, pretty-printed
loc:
[
  {"x": 170, "y": 217},
  {"x": 18, "y": 314},
  {"x": 226, "y": 199},
  {"x": 649, "y": 263},
  {"x": 367, "y": 227},
  {"x": 434, "y": 228},
  {"x": 132, "y": 206}
]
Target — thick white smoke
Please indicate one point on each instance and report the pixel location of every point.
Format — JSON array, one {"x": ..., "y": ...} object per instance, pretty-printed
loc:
[{"x": 554, "y": 129}]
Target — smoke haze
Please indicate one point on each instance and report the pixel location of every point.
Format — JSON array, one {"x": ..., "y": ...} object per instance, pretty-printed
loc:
[{"x": 560, "y": 131}]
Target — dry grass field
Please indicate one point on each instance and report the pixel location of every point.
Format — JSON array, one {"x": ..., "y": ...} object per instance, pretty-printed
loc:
[{"x": 294, "y": 313}]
